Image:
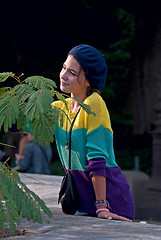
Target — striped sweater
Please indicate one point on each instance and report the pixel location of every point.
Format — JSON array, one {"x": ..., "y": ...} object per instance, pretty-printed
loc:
[{"x": 92, "y": 153}]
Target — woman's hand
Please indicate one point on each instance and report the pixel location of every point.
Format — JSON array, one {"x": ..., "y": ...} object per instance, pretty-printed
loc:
[
  {"x": 18, "y": 157},
  {"x": 112, "y": 216}
]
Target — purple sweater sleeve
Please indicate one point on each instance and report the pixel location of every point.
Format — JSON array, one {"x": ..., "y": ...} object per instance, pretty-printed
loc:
[{"x": 97, "y": 166}]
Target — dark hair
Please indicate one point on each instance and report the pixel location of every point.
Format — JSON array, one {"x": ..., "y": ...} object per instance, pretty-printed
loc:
[{"x": 90, "y": 89}]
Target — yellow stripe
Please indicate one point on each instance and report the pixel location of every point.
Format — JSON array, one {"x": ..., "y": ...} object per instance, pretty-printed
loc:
[{"x": 85, "y": 120}]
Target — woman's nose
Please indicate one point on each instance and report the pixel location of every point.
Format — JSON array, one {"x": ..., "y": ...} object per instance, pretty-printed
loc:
[{"x": 63, "y": 74}]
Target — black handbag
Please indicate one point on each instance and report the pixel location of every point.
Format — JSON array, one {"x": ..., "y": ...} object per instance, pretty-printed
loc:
[{"x": 68, "y": 193}]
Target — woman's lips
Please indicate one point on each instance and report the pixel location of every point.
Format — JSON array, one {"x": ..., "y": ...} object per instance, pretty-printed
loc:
[{"x": 64, "y": 83}]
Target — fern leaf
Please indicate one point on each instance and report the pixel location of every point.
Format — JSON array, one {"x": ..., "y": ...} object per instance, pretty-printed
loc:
[
  {"x": 21, "y": 121},
  {"x": 43, "y": 129},
  {"x": 12, "y": 225},
  {"x": 3, "y": 90},
  {"x": 2, "y": 214},
  {"x": 59, "y": 114},
  {"x": 38, "y": 104},
  {"x": 33, "y": 211},
  {"x": 38, "y": 215},
  {"x": 16, "y": 199},
  {"x": 19, "y": 200},
  {"x": 24, "y": 91},
  {"x": 27, "y": 210},
  {"x": 32, "y": 195},
  {"x": 12, "y": 212},
  {"x": 24, "y": 206},
  {"x": 84, "y": 106},
  {"x": 39, "y": 113},
  {"x": 40, "y": 82},
  {"x": 15, "y": 175},
  {"x": 5, "y": 75},
  {"x": 37, "y": 200},
  {"x": 30, "y": 210},
  {"x": 62, "y": 98},
  {"x": 9, "y": 110},
  {"x": 42, "y": 204},
  {"x": 8, "y": 207}
]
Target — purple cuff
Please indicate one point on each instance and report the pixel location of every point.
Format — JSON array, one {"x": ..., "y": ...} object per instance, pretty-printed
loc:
[{"x": 97, "y": 166}]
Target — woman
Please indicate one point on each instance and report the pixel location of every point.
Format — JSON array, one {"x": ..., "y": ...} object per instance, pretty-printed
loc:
[{"x": 101, "y": 187}]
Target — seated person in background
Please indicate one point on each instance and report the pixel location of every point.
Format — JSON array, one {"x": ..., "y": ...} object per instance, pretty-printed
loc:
[
  {"x": 36, "y": 157},
  {"x": 22, "y": 143}
]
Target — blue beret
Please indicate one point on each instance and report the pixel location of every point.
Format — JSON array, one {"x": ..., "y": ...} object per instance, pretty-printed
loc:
[{"x": 93, "y": 64}]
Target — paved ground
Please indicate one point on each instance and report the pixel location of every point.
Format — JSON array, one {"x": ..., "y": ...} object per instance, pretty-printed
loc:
[{"x": 77, "y": 227}]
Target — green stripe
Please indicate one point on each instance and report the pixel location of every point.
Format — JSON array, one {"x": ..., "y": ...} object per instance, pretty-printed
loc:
[{"x": 100, "y": 144}]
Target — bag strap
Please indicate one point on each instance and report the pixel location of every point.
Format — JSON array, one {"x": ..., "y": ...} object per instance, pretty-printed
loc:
[{"x": 70, "y": 140}]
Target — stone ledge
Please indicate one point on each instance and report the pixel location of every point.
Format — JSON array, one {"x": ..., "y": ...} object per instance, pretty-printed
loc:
[
  {"x": 139, "y": 182},
  {"x": 79, "y": 227},
  {"x": 66, "y": 227},
  {"x": 47, "y": 187}
]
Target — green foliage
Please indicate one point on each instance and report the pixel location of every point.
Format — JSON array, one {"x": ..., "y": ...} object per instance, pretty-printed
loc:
[
  {"x": 17, "y": 200},
  {"x": 9, "y": 110},
  {"x": 91, "y": 4},
  {"x": 5, "y": 75},
  {"x": 40, "y": 82},
  {"x": 118, "y": 59},
  {"x": 84, "y": 106},
  {"x": 31, "y": 100}
]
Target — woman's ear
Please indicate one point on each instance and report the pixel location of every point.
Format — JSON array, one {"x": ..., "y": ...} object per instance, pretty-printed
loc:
[{"x": 87, "y": 82}]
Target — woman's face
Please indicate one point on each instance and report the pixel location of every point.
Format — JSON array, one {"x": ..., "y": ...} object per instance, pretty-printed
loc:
[{"x": 72, "y": 78}]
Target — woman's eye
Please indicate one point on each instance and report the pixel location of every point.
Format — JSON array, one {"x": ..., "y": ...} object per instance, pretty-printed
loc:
[{"x": 73, "y": 73}]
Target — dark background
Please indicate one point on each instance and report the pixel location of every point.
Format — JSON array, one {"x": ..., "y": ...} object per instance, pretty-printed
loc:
[{"x": 36, "y": 37}]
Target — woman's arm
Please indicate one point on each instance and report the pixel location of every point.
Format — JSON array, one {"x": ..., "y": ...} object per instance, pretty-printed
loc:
[
  {"x": 99, "y": 184},
  {"x": 23, "y": 142},
  {"x": 24, "y": 161}
]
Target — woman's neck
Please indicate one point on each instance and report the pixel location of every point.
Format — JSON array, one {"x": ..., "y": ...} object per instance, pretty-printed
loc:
[{"x": 74, "y": 104}]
